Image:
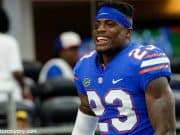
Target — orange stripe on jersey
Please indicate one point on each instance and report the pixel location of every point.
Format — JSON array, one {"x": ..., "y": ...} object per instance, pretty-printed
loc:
[
  {"x": 154, "y": 55},
  {"x": 75, "y": 78},
  {"x": 154, "y": 68}
]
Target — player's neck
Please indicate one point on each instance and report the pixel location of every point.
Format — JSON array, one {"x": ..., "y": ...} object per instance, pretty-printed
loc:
[{"x": 107, "y": 57}]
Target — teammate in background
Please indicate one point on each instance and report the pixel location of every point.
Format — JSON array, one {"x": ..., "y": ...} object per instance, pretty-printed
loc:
[
  {"x": 66, "y": 50},
  {"x": 123, "y": 86}
]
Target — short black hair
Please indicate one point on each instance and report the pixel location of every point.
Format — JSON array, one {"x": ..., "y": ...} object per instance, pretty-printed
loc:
[
  {"x": 123, "y": 7},
  {"x": 4, "y": 21}
]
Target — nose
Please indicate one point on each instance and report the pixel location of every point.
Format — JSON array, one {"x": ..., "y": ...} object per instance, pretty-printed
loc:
[{"x": 101, "y": 28}]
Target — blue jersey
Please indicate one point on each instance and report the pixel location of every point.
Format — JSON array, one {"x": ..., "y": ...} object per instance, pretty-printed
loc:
[{"x": 116, "y": 94}]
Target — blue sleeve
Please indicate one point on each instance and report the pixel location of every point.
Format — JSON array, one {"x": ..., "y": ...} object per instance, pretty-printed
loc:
[
  {"x": 78, "y": 81},
  {"x": 54, "y": 71},
  {"x": 148, "y": 77},
  {"x": 154, "y": 65}
]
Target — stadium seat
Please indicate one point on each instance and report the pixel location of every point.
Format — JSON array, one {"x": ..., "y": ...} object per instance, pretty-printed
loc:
[
  {"x": 59, "y": 110},
  {"x": 175, "y": 82},
  {"x": 58, "y": 101},
  {"x": 175, "y": 85},
  {"x": 56, "y": 87},
  {"x": 32, "y": 69},
  {"x": 3, "y": 115},
  {"x": 175, "y": 64},
  {"x": 177, "y": 100}
]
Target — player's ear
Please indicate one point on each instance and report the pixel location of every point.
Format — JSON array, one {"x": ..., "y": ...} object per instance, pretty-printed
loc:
[{"x": 129, "y": 33}]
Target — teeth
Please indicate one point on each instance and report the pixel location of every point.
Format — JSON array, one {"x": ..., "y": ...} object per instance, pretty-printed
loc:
[{"x": 102, "y": 38}]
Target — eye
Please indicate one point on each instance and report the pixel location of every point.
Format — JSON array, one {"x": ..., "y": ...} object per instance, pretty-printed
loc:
[
  {"x": 111, "y": 23},
  {"x": 96, "y": 25}
]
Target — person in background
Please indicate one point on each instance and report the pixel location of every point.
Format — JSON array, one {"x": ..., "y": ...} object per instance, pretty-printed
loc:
[
  {"x": 11, "y": 68},
  {"x": 67, "y": 53},
  {"x": 124, "y": 87}
]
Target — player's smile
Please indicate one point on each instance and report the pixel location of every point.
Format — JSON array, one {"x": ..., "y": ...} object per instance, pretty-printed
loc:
[{"x": 102, "y": 40}]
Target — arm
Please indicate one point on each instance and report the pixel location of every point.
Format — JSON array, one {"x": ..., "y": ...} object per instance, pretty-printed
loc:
[
  {"x": 85, "y": 121},
  {"x": 19, "y": 77},
  {"x": 161, "y": 106},
  {"x": 84, "y": 106}
]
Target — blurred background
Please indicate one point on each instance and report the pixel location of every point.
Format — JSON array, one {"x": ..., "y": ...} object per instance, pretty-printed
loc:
[{"x": 36, "y": 24}]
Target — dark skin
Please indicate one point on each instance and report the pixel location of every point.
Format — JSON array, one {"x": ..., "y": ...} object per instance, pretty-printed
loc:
[
  {"x": 19, "y": 77},
  {"x": 71, "y": 55},
  {"x": 161, "y": 106},
  {"x": 158, "y": 94}
]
